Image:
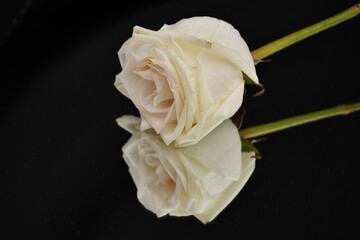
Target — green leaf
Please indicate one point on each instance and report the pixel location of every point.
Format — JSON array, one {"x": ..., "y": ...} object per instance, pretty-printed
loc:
[{"x": 247, "y": 146}]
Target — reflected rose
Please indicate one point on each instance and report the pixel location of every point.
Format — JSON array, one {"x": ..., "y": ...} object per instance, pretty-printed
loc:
[{"x": 199, "y": 180}]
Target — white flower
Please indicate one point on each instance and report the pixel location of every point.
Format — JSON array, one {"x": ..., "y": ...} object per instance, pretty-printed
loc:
[
  {"x": 199, "y": 180},
  {"x": 185, "y": 78}
]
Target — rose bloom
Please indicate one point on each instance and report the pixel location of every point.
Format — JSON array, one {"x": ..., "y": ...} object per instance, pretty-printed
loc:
[
  {"x": 199, "y": 180},
  {"x": 185, "y": 78}
]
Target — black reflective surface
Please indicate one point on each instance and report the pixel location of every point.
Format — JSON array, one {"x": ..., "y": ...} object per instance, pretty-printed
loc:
[{"x": 62, "y": 174}]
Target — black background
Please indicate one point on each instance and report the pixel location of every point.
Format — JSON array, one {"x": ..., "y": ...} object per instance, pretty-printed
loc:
[{"x": 61, "y": 171}]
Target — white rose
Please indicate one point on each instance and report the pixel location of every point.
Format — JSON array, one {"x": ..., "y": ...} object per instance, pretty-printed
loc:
[
  {"x": 199, "y": 180},
  {"x": 185, "y": 78}
]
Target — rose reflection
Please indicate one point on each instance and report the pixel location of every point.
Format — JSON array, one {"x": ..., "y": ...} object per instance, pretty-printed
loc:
[{"x": 199, "y": 180}]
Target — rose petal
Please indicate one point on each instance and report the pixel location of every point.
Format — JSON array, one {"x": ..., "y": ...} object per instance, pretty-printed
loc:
[
  {"x": 220, "y": 33},
  {"x": 223, "y": 199},
  {"x": 129, "y": 123},
  {"x": 225, "y": 158}
]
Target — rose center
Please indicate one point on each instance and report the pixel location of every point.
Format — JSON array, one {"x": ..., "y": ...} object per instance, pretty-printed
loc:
[
  {"x": 155, "y": 91},
  {"x": 159, "y": 181},
  {"x": 161, "y": 176}
]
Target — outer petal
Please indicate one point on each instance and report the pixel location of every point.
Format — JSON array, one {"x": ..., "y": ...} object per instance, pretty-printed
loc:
[
  {"x": 219, "y": 32},
  {"x": 129, "y": 123},
  {"x": 240, "y": 60},
  {"x": 219, "y": 151},
  {"x": 223, "y": 199},
  {"x": 211, "y": 30},
  {"x": 206, "y": 125}
]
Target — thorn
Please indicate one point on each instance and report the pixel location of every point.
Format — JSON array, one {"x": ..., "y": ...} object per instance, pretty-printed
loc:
[
  {"x": 262, "y": 61},
  {"x": 253, "y": 141},
  {"x": 357, "y": 7},
  {"x": 257, "y": 157},
  {"x": 261, "y": 92}
]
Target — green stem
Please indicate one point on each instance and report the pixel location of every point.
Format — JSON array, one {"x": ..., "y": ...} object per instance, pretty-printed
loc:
[
  {"x": 298, "y": 120},
  {"x": 297, "y": 36}
]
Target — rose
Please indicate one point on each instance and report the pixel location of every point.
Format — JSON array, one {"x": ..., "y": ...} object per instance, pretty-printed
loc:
[
  {"x": 199, "y": 180},
  {"x": 186, "y": 78}
]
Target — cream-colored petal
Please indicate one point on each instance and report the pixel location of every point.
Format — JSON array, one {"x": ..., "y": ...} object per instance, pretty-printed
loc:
[
  {"x": 224, "y": 199},
  {"x": 220, "y": 33},
  {"x": 129, "y": 123},
  {"x": 217, "y": 81},
  {"x": 219, "y": 151},
  {"x": 206, "y": 124},
  {"x": 120, "y": 86},
  {"x": 241, "y": 60},
  {"x": 209, "y": 29},
  {"x": 172, "y": 130}
]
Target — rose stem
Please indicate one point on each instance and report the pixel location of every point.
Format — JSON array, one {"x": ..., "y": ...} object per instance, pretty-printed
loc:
[
  {"x": 297, "y": 36},
  {"x": 271, "y": 127}
]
